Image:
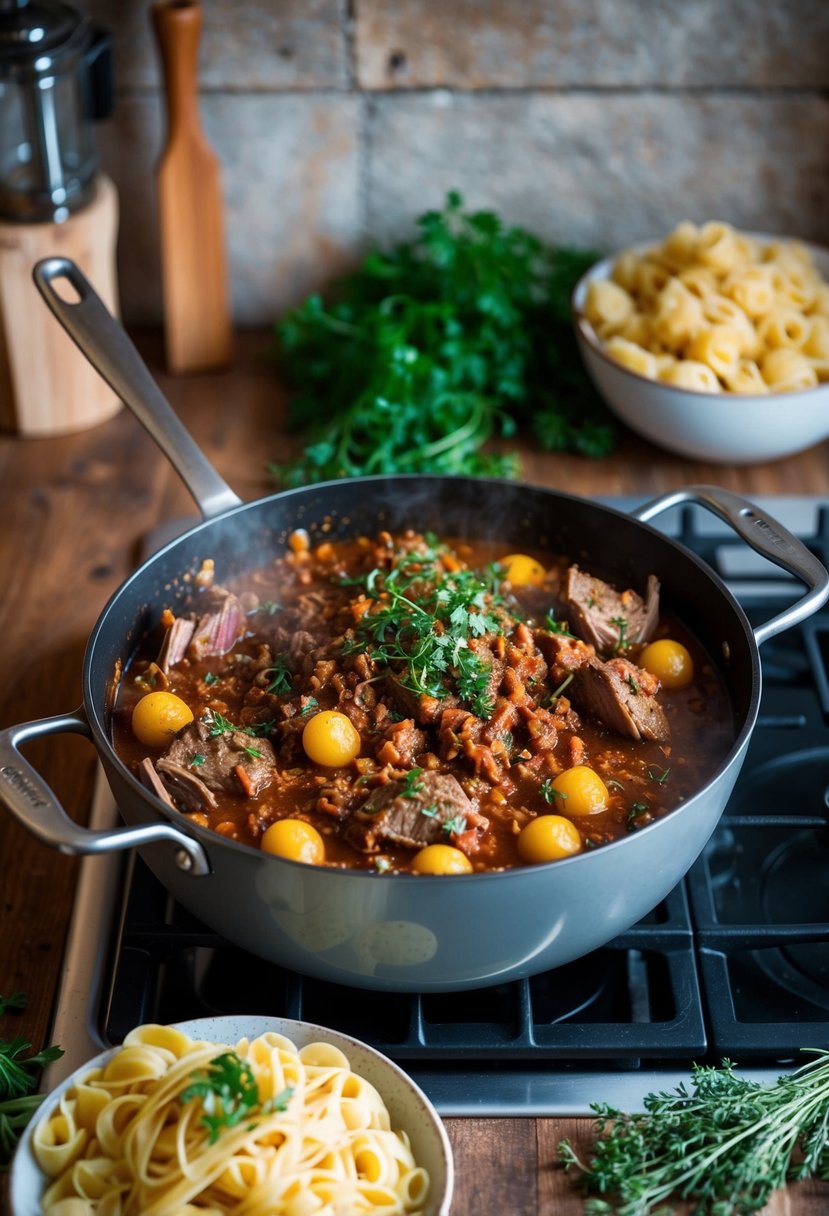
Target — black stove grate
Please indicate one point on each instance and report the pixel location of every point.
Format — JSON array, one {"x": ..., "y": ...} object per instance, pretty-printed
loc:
[{"x": 734, "y": 963}]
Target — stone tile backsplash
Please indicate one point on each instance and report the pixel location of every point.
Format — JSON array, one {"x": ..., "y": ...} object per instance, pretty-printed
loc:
[{"x": 592, "y": 122}]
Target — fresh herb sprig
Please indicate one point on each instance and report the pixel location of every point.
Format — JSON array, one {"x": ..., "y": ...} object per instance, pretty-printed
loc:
[
  {"x": 432, "y": 348},
  {"x": 229, "y": 1094},
  {"x": 422, "y": 624},
  {"x": 726, "y": 1142},
  {"x": 18, "y": 1078}
]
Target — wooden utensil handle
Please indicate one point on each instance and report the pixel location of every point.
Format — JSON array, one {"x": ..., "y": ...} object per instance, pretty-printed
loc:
[{"x": 178, "y": 25}]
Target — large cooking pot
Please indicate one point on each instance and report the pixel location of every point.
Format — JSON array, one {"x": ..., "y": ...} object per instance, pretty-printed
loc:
[{"x": 395, "y": 932}]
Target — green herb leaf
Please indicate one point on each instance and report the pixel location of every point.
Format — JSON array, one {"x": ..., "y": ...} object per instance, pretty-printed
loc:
[
  {"x": 432, "y": 348},
  {"x": 228, "y": 1093},
  {"x": 723, "y": 1142},
  {"x": 280, "y": 674},
  {"x": 412, "y": 783},
  {"x": 18, "y": 1077},
  {"x": 17, "y": 1000}
]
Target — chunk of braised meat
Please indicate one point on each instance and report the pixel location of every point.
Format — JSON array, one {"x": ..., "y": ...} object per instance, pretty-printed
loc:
[
  {"x": 213, "y": 631},
  {"x": 434, "y": 808},
  {"x": 151, "y": 780},
  {"x": 233, "y": 761},
  {"x": 402, "y": 744},
  {"x": 607, "y": 618},
  {"x": 175, "y": 643},
  {"x": 188, "y": 790},
  {"x": 621, "y": 695},
  {"x": 219, "y": 628}
]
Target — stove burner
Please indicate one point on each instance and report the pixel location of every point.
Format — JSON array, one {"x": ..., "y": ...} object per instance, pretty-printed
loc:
[{"x": 795, "y": 889}]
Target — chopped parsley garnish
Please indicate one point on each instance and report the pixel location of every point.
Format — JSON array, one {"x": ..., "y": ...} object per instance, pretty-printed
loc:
[
  {"x": 280, "y": 674},
  {"x": 219, "y": 725},
  {"x": 548, "y": 791},
  {"x": 457, "y": 825},
  {"x": 621, "y": 623},
  {"x": 228, "y": 1092},
  {"x": 197, "y": 761},
  {"x": 556, "y": 693},
  {"x": 210, "y": 677},
  {"x": 412, "y": 783},
  {"x": 634, "y": 687},
  {"x": 423, "y": 624},
  {"x": 660, "y": 776},
  {"x": 554, "y": 626},
  {"x": 637, "y": 809},
  {"x": 310, "y": 706}
]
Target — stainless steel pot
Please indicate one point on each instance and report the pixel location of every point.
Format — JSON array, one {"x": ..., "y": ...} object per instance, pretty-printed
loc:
[{"x": 395, "y": 932}]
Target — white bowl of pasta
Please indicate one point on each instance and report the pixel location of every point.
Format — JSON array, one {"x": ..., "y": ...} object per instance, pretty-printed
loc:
[
  {"x": 712, "y": 343},
  {"x": 268, "y": 1115}
]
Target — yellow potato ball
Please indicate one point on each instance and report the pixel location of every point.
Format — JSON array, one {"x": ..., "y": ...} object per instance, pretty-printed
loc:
[
  {"x": 441, "y": 859},
  {"x": 522, "y": 571},
  {"x": 295, "y": 840},
  {"x": 582, "y": 790},
  {"x": 669, "y": 661},
  {"x": 158, "y": 716},
  {"x": 548, "y": 838},
  {"x": 331, "y": 739}
]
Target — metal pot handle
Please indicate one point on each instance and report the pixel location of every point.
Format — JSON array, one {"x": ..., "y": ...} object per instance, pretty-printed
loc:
[
  {"x": 35, "y": 806},
  {"x": 766, "y": 536},
  {"x": 105, "y": 343}
]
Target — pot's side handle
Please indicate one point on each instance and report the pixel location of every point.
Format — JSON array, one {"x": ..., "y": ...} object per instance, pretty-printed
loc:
[
  {"x": 35, "y": 806},
  {"x": 766, "y": 536},
  {"x": 106, "y": 345}
]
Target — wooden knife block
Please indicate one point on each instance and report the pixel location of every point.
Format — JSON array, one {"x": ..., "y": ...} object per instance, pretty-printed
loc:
[{"x": 47, "y": 387}]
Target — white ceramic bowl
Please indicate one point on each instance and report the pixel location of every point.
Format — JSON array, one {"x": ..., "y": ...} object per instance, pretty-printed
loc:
[
  {"x": 721, "y": 428},
  {"x": 409, "y": 1108}
]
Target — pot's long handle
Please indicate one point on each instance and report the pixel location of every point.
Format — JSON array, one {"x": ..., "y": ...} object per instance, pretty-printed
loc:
[
  {"x": 105, "y": 343},
  {"x": 36, "y": 807},
  {"x": 766, "y": 536}
]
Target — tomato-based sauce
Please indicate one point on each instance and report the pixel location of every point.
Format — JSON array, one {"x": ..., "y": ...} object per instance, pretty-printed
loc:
[{"x": 398, "y": 703}]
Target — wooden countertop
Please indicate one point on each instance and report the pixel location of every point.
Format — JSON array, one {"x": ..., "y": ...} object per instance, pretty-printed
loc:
[{"x": 75, "y": 509}]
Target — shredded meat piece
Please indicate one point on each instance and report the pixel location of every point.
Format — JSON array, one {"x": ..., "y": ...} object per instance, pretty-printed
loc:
[
  {"x": 608, "y": 618},
  {"x": 616, "y": 693},
  {"x": 217, "y": 756},
  {"x": 430, "y": 812}
]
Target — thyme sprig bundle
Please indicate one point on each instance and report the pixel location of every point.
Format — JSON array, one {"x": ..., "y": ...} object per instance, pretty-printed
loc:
[{"x": 726, "y": 1142}]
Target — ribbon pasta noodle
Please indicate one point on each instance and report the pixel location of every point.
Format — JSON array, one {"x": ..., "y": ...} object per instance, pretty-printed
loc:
[
  {"x": 313, "y": 1137},
  {"x": 714, "y": 310}
]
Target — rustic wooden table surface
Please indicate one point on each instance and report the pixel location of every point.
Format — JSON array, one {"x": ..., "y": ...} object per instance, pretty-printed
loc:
[{"x": 74, "y": 512}]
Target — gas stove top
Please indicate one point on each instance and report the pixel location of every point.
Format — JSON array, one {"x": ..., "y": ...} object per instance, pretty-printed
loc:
[{"x": 733, "y": 964}]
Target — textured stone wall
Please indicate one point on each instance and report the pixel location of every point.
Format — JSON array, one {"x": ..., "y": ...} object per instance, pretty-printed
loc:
[{"x": 595, "y": 122}]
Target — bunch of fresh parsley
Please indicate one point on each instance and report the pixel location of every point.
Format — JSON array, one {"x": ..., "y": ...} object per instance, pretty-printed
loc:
[
  {"x": 18, "y": 1077},
  {"x": 430, "y": 349}
]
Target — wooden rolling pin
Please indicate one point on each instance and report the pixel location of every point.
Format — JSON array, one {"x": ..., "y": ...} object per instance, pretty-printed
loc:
[{"x": 197, "y": 325}]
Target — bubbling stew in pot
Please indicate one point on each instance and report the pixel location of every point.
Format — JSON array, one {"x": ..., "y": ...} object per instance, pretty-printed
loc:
[{"x": 408, "y": 703}]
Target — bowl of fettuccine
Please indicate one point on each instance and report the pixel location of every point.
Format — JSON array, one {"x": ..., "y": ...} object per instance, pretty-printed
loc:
[
  {"x": 268, "y": 1116},
  {"x": 712, "y": 343}
]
